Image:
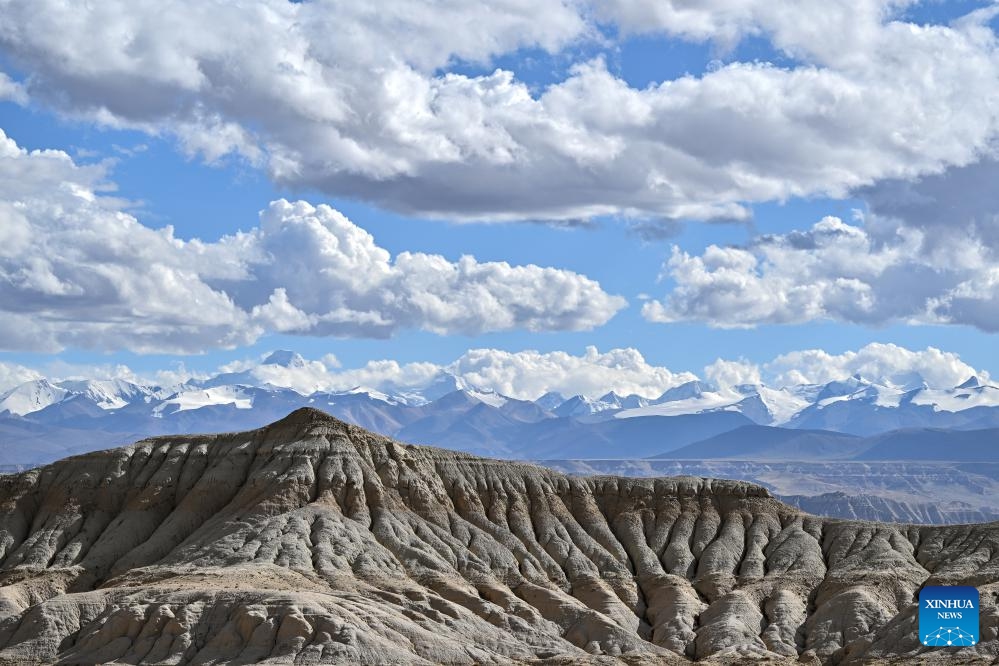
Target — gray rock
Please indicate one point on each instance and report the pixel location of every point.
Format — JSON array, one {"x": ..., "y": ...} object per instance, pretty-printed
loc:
[{"x": 313, "y": 541}]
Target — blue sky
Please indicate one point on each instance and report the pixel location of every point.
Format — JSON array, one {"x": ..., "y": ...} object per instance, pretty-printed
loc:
[{"x": 207, "y": 198}]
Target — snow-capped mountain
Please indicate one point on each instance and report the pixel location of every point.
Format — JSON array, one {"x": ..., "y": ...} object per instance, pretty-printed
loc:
[
  {"x": 106, "y": 394},
  {"x": 240, "y": 397},
  {"x": 687, "y": 391},
  {"x": 861, "y": 407},
  {"x": 550, "y": 400},
  {"x": 111, "y": 393},
  {"x": 847, "y": 399},
  {"x": 438, "y": 387},
  {"x": 581, "y": 406},
  {"x": 31, "y": 397},
  {"x": 760, "y": 404},
  {"x": 972, "y": 393},
  {"x": 445, "y": 410},
  {"x": 269, "y": 370}
]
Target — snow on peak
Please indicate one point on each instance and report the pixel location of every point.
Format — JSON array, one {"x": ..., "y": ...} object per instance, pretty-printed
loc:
[
  {"x": 623, "y": 401},
  {"x": 971, "y": 382},
  {"x": 438, "y": 387},
  {"x": 367, "y": 391},
  {"x": 958, "y": 399},
  {"x": 239, "y": 397},
  {"x": 491, "y": 398},
  {"x": 31, "y": 397},
  {"x": 781, "y": 403},
  {"x": 108, "y": 393},
  {"x": 285, "y": 359},
  {"x": 686, "y": 391},
  {"x": 580, "y": 405},
  {"x": 284, "y": 370},
  {"x": 550, "y": 401}
]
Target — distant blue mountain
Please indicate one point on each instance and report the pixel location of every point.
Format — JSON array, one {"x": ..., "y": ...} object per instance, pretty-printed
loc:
[
  {"x": 849, "y": 419},
  {"x": 761, "y": 443}
]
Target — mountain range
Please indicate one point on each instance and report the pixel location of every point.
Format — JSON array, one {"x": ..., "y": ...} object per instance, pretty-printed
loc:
[
  {"x": 42, "y": 420},
  {"x": 312, "y": 541}
]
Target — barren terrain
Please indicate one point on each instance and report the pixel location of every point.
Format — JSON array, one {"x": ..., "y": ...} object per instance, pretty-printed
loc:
[{"x": 313, "y": 541}]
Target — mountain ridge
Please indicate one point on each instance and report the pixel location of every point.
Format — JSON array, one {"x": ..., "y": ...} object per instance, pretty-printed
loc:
[
  {"x": 772, "y": 406},
  {"x": 756, "y": 442},
  {"x": 314, "y": 541},
  {"x": 449, "y": 412}
]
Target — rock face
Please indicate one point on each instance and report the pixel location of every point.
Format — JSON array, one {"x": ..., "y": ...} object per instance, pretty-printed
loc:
[
  {"x": 932, "y": 492},
  {"x": 313, "y": 541}
]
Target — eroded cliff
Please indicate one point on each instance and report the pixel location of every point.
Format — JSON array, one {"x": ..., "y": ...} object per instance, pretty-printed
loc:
[{"x": 313, "y": 541}]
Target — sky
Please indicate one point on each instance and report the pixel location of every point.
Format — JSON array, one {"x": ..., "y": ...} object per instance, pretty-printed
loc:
[{"x": 188, "y": 187}]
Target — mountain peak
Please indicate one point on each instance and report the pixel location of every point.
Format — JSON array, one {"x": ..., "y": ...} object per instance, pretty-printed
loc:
[
  {"x": 971, "y": 382},
  {"x": 285, "y": 489},
  {"x": 685, "y": 391},
  {"x": 31, "y": 396},
  {"x": 441, "y": 385},
  {"x": 304, "y": 417},
  {"x": 550, "y": 400},
  {"x": 285, "y": 359}
]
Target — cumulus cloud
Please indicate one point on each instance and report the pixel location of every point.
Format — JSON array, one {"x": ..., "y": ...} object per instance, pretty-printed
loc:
[
  {"x": 524, "y": 375},
  {"x": 77, "y": 269},
  {"x": 386, "y": 375},
  {"x": 334, "y": 95},
  {"x": 302, "y": 375},
  {"x": 813, "y": 29},
  {"x": 869, "y": 274},
  {"x": 882, "y": 363},
  {"x": 726, "y": 374},
  {"x": 12, "y": 374},
  {"x": 530, "y": 374},
  {"x": 335, "y": 280}
]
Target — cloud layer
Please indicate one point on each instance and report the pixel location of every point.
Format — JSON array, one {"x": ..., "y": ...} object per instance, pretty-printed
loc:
[
  {"x": 877, "y": 271},
  {"x": 529, "y": 374},
  {"x": 78, "y": 270},
  {"x": 882, "y": 363},
  {"x": 334, "y": 95},
  {"x": 12, "y": 374},
  {"x": 526, "y": 374}
]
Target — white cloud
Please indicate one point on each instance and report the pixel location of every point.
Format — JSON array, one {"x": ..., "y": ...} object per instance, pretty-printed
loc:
[
  {"x": 11, "y": 90},
  {"x": 325, "y": 374},
  {"x": 60, "y": 370},
  {"x": 12, "y": 374},
  {"x": 386, "y": 375},
  {"x": 530, "y": 374},
  {"x": 725, "y": 374},
  {"x": 524, "y": 375},
  {"x": 334, "y": 280},
  {"x": 814, "y": 29},
  {"x": 334, "y": 95},
  {"x": 882, "y": 363},
  {"x": 880, "y": 273},
  {"x": 76, "y": 269},
  {"x": 304, "y": 376},
  {"x": 57, "y": 370}
]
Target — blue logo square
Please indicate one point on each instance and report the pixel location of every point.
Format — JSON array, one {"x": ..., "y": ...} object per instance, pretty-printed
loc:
[{"x": 948, "y": 616}]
